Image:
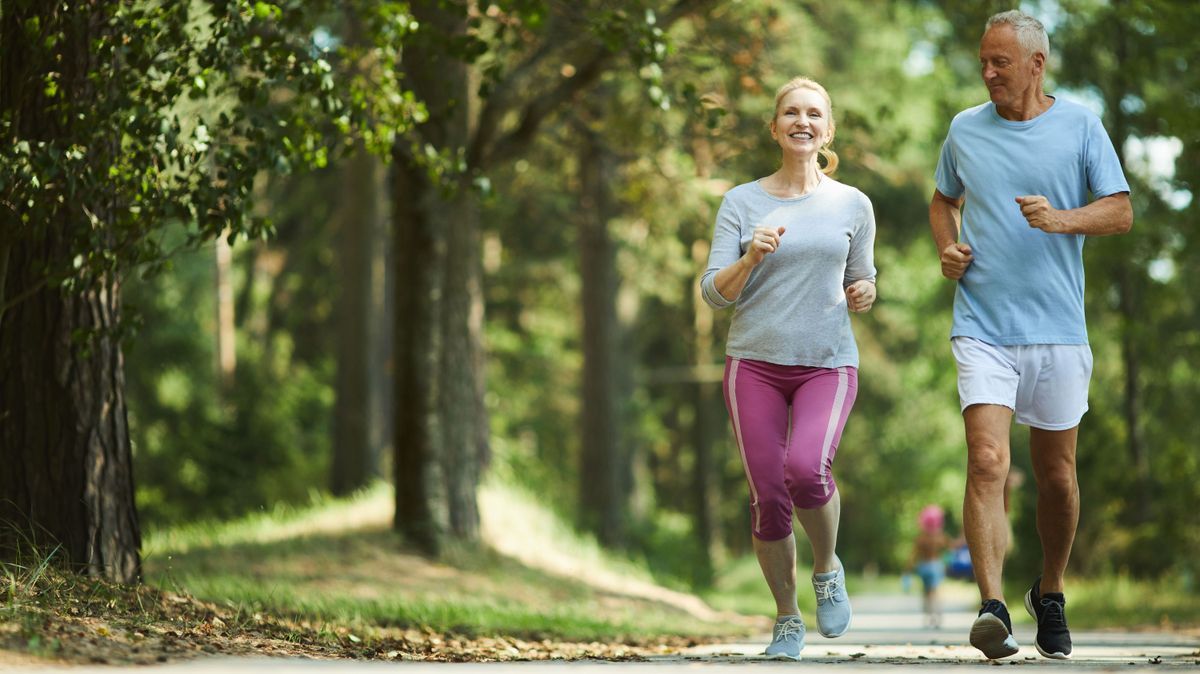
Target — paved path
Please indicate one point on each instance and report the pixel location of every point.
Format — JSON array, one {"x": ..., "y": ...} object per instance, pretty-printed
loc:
[{"x": 887, "y": 631}]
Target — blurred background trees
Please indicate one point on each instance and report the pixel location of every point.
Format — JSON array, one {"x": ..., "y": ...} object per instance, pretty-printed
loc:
[{"x": 506, "y": 290}]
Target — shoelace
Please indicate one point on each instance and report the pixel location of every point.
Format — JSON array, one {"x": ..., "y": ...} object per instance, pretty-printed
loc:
[
  {"x": 997, "y": 609},
  {"x": 826, "y": 589},
  {"x": 790, "y": 629},
  {"x": 1053, "y": 612}
]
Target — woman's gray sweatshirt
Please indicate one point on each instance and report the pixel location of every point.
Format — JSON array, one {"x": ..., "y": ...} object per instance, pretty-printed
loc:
[{"x": 793, "y": 310}]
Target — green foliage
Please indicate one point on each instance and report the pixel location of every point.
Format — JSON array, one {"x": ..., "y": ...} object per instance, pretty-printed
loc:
[
  {"x": 178, "y": 109},
  {"x": 201, "y": 451}
]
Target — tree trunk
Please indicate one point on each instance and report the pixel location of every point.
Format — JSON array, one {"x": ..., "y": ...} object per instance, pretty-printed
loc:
[
  {"x": 420, "y": 261},
  {"x": 604, "y": 463},
  {"x": 362, "y": 353},
  {"x": 460, "y": 398},
  {"x": 440, "y": 422},
  {"x": 64, "y": 436},
  {"x": 360, "y": 238}
]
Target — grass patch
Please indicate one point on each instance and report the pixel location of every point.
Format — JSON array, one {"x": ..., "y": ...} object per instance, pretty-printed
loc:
[{"x": 339, "y": 564}]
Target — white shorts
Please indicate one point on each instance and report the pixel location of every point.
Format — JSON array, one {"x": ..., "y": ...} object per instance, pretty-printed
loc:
[{"x": 1045, "y": 385}]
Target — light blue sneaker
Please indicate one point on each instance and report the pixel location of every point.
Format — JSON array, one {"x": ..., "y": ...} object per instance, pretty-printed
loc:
[
  {"x": 787, "y": 639},
  {"x": 833, "y": 604}
]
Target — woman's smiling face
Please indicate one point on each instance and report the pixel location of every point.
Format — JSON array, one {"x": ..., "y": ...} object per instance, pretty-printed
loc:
[{"x": 801, "y": 123}]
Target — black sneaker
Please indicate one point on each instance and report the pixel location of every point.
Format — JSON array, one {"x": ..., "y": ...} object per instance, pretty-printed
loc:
[
  {"x": 1049, "y": 610},
  {"x": 992, "y": 631}
]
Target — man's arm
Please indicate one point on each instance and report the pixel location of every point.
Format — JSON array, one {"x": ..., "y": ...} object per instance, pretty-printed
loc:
[
  {"x": 945, "y": 218},
  {"x": 1112, "y": 214}
]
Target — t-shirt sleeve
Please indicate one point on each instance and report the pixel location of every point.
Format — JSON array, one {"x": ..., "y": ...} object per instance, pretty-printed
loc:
[
  {"x": 860, "y": 262},
  {"x": 726, "y": 249},
  {"x": 946, "y": 177},
  {"x": 1104, "y": 173}
]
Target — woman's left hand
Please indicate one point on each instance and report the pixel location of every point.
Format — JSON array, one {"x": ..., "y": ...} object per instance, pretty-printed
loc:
[{"x": 860, "y": 295}]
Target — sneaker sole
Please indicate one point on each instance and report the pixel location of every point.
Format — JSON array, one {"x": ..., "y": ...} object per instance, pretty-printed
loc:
[
  {"x": 834, "y": 636},
  {"x": 990, "y": 636},
  {"x": 1057, "y": 655},
  {"x": 783, "y": 656}
]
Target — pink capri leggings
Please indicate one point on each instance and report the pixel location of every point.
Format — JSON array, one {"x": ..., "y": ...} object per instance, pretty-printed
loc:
[{"x": 787, "y": 420}]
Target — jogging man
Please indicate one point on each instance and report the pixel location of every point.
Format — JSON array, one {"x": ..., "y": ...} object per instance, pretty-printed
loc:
[{"x": 1021, "y": 181}]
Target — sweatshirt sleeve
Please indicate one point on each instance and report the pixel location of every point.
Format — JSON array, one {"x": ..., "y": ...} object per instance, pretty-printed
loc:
[
  {"x": 860, "y": 262},
  {"x": 726, "y": 249}
]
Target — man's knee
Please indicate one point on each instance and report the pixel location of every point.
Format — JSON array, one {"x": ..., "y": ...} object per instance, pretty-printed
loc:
[
  {"x": 987, "y": 460},
  {"x": 1059, "y": 480}
]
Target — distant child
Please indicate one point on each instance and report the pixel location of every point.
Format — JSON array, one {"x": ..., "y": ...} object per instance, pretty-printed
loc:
[{"x": 926, "y": 560}]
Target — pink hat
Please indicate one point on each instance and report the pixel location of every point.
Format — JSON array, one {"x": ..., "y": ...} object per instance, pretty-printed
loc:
[{"x": 931, "y": 518}]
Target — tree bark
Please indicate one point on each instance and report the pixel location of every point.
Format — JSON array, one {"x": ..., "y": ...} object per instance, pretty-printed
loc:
[
  {"x": 362, "y": 355},
  {"x": 604, "y": 462},
  {"x": 440, "y": 423},
  {"x": 356, "y": 447},
  {"x": 420, "y": 261},
  {"x": 64, "y": 436}
]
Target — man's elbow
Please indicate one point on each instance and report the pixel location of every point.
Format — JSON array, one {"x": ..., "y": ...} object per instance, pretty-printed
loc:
[
  {"x": 1125, "y": 216},
  {"x": 1125, "y": 225}
]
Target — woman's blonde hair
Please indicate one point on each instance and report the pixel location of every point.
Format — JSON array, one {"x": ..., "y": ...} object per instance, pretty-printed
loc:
[{"x": 831, "y": 158}]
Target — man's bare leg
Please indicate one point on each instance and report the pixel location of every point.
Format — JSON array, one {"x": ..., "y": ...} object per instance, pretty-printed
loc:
[
  {"x": 985, "y": 523},
  {"x": 1053, "y": 454}
]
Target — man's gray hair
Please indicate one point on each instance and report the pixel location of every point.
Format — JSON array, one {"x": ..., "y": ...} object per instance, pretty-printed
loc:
[{"x": 1031, "y": 35}]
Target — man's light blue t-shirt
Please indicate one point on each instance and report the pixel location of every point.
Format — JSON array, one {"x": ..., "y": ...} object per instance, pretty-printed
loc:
[{"x": 1024, "y": 286}]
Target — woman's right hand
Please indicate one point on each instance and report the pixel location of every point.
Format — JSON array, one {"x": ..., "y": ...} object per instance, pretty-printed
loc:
[{"x": 765, "y": 241}]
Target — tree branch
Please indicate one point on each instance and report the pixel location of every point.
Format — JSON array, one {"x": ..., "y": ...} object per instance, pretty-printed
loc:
[
  {"x": 486, "y": 148},
  {"x": 502, "y": 98}
]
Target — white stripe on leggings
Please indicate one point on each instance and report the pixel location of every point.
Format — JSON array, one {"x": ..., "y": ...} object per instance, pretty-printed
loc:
[
  {"x": 839, "y": 399},
  {"x": 737, "y": 434}
]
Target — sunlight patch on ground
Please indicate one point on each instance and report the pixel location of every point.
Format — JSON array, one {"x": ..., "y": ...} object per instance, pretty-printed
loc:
[
  {"x": 516, "y": 526},
  {"x": 372, "y": 507}
]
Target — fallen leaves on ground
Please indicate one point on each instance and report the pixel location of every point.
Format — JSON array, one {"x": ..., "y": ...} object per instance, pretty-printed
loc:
[{"x": 96, "y": 622}]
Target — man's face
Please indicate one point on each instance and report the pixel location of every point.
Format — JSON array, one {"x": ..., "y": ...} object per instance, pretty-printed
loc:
[{"x": 1008, "y": 72}]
